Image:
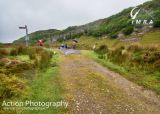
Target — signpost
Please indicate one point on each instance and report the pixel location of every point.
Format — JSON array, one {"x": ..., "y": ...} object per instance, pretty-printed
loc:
[{"x": 26, "y": 37}]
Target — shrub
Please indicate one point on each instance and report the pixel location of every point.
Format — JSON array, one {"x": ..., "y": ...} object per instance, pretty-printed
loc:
[
  {"x": 103, "y": 49},
  {"x": 148, "y": 59},
  {"x": 36, "y": 62},
  {"x": 151, "y": 57},
  {"x": 38, "y": 49},
  {"x": 40, "y": 56},
  {"x": 128, "y": 30},
  {"x": 145, "y": 58},
  {"x": 11, "y": 86},
  {"x": 2, "y": 64},
  {"x": 32, "y": 53},
  {"x": 32, "y": 56},
  {"x": 119, "y": 55},
  {"x": 13, "y": 52},
  {"x": 151, "y": 48},
  {"x": 21, "y": 49},
  {"x": 157, "y": 65},
  {"x": 135, "y": 48},
  {"x": 137, "y": 57},
  {"x": 45, "y": 57},
  {"x": 3, "y": 52},
  {"x": 18, "y": 68}
]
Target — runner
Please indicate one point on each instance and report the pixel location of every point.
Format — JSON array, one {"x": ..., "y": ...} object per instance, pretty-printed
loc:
[
  {"x": 40, "y": 43},
  {"x": 74, "y": 43}
]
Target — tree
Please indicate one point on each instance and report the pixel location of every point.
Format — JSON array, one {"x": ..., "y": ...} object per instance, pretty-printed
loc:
[{"x": 156, "y": 18}]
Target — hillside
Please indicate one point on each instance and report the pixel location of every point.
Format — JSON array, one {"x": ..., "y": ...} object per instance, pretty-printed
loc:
[
  {"x": 38, "y": 35},
  {"x": 112, "y": 27}
]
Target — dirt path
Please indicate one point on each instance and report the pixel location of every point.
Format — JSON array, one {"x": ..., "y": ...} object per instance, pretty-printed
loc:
[{"x": 93, "y": 89}]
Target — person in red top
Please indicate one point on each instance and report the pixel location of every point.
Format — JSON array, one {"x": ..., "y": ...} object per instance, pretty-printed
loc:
[{"x": 40, "y": 43}]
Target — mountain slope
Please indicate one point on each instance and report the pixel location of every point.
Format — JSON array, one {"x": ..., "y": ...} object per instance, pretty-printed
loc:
[
  {"x": 112, "y": 26},
  {"x": 38, "y": 35}
]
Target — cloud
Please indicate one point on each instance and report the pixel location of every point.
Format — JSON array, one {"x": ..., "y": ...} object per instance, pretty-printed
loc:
[{"x": 58, "y": 14}]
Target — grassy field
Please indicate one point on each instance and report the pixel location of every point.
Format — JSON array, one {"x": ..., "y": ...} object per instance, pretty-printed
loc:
[{"x": 151, "y": 38}]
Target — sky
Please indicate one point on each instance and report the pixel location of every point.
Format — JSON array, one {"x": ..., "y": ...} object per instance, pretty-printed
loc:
[{"x": 54, "y": 14}]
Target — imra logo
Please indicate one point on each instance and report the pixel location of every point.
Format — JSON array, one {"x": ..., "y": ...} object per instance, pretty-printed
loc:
[{"x": 134, "y": 15}]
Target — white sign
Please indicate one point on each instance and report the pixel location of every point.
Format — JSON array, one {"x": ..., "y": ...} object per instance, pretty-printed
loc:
[{"x": 136, "y": 21}]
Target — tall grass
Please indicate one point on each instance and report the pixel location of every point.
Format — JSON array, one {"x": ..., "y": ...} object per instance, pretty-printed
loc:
[
  {"x": 16, "y": 76},
  {"x": 140, "y": 64},
  {"x": 102, "y": 50},
  {"x": 40, "y": 55},
  {"x": 144, "y": 57},
  {"x": 45, "y": 57},
  {"x": 3, "y": 52},
  {"x": 47, "y": 87}
]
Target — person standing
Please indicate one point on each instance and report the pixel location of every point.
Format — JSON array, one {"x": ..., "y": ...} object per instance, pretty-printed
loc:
[
  {"x": 74, "y": 45},
  {"x": 94, "y": 46}
]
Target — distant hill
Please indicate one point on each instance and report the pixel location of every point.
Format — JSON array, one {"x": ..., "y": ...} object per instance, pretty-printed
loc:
[
  {"x": 42, "y": 34},
  {"x": 112, "y": 27}
]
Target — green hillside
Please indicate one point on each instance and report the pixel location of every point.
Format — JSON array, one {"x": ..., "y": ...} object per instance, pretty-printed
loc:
[
  {"x": 110, "y": 27},
  {"x": 38, "y": 35}
]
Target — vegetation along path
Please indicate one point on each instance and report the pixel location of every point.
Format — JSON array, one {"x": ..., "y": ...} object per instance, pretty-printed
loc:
[{"x": 93, "y": 89}]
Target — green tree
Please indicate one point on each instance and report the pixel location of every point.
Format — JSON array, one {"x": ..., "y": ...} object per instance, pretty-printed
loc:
[{"x": 157, "y": 18}]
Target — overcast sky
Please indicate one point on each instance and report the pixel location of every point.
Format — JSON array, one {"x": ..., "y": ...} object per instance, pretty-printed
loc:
[{"x": 57, "y": 14}]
